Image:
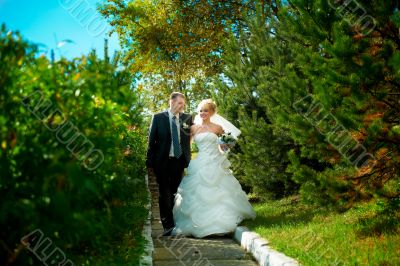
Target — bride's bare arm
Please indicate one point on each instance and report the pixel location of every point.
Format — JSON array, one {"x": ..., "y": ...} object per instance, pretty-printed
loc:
[
  {"x": 220, "y": 131},
  {"x": 193, "y": 130}
]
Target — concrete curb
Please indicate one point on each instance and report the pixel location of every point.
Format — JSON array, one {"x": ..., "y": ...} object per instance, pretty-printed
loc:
[
  {"x": 147, "y": 257},
  {"x": 259, "y": 248}
]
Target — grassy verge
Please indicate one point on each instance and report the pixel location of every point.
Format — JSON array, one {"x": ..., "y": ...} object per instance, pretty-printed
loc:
[
  {"x": 314, "y": 236},
  {"x": 119, "y": 240}
]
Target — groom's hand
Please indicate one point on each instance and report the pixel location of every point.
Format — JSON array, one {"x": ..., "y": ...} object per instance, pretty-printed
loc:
[{"x": 224, "y": 147}]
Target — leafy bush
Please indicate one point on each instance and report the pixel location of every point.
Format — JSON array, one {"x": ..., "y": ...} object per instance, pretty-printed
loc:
[{"x": 71, "y": 157}]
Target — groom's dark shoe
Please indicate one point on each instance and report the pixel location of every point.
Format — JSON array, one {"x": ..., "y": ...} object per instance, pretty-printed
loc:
[{"x": 167, "y": 232}]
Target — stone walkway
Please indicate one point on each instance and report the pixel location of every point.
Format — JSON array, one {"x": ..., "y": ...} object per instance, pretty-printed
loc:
[{"x": 174, "y": 251}]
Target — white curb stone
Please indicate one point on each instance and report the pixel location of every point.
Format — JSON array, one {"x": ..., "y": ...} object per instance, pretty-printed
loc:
[{"x": 260, "y": 249}]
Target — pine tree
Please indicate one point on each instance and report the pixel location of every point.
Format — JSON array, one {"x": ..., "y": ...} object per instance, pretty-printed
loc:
[
  {"x": 325, "y": 74},
  {"x": 350, "y": 73},
  {"x": 262, "y": 156}
]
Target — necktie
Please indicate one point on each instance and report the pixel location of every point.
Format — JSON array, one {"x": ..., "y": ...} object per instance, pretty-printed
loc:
[{"x": 175, "y": 139}]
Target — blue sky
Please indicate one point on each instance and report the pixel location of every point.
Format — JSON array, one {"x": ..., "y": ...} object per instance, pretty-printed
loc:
[{"x": 45, "y": 21}]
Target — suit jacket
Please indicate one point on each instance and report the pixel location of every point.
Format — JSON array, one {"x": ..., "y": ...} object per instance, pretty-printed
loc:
[{"x": 160, "y": 139}]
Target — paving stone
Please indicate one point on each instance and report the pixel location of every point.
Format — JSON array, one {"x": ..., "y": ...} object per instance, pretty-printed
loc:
[{"x": 206, "y": 263}]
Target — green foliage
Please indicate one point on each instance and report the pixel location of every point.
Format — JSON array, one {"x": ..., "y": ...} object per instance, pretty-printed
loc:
[
  {"x": 328, "y": 87},
  {"x": 262, "y": 161},
  {"x": 242, "y": 96},
  {"x": 51, "y": 117},
  {"x": 156, "y": 90},
  {"x": 176, "y": 39},
  {"x": 175, "y": 45}
]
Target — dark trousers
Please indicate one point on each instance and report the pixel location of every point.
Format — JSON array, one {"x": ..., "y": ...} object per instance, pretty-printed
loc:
[{"x": 168, "y": 180}]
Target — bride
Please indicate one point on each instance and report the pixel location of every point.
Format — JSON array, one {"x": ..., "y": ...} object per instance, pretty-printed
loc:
[{"x": 209, "y": 199}]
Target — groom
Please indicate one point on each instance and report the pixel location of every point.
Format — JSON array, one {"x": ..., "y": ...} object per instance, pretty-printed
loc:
[{"x": 169, "y": 153}]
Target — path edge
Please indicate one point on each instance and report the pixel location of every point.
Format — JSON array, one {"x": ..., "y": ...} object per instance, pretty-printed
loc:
[
  {"x": 147, "y": 256},
  {"x": 260, "y": 249}
]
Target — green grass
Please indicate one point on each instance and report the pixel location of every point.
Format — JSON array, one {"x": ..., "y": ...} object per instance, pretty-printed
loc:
[
  {"x": 120, "y": 240},
  {"x": 315, "y": 236}
]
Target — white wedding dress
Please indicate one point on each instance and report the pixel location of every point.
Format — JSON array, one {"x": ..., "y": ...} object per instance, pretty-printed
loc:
[{"x": 209, "y": 199}]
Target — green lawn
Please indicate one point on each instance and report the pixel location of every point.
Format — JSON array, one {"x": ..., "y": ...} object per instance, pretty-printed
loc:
[{"x": 320, "y": 237}]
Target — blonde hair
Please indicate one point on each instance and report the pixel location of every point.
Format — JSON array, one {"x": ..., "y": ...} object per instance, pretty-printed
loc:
[{"x": 209, "y": 103}]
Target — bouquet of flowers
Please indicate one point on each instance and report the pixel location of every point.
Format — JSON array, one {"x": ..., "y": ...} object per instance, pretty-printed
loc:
[{"x": 227, "y": 141}]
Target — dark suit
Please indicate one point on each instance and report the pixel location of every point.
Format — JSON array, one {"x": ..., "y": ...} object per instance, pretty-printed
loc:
[{"x": 168, "y": 170}]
